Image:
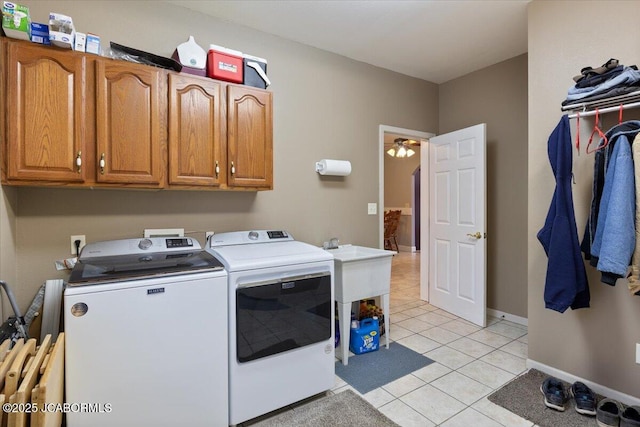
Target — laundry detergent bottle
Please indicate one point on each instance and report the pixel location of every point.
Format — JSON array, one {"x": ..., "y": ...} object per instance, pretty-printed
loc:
[{"x": 365, "y": 336}]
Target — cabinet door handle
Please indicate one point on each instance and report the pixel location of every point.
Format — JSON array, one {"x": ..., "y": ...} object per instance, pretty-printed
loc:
[
  {"x": 217, "y": 169},
  {"x": 79, "y": 161},
  {"x": 233, "y": 169},
  {"x": 102, "y": 164}
]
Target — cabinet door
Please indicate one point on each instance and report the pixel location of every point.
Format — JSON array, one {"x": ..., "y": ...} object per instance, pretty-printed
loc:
[
  {"x": 249, "y": 137},
  {"x": 195, "y": 153},
  {"x": 45, "y": 114},
  {"x": 130, "y": 115}
]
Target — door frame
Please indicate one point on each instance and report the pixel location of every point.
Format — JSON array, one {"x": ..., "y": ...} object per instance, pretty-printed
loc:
[{"x": 424, "y": 196}]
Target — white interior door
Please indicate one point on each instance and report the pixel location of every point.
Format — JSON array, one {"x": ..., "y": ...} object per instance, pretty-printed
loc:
[{"x": 457, "y": 223}]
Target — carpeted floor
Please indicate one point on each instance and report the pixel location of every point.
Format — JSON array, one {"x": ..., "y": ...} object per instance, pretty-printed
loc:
[
  {"x": 368, "y": 371},
  {"x": 523, "y": 397},
  {"x": 343, "y": 409}
]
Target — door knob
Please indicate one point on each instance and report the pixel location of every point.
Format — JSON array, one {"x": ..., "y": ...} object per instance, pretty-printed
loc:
[{"x": 476, "y": 235}]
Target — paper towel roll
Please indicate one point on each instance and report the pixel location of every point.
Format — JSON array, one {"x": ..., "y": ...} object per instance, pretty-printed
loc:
[{"x": 333, "y": 167}]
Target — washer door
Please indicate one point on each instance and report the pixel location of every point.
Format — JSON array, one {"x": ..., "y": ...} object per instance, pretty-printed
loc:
[{"x": 278, "y": 316}]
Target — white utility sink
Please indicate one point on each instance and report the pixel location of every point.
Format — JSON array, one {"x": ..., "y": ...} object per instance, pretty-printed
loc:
[
  {"x": 360, "y": 273},
  {"x": 348, "y": 253}
]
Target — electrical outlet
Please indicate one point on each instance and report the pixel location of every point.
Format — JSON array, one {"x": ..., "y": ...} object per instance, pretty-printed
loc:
[
  {"x": 638, "y": 354},
  {"x": 372, "y": 208},
  {"x": 83, "y": 241}
]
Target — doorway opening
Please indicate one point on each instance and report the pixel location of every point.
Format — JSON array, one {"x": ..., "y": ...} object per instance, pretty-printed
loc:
[
  {"x": 409, "y": 221},
  {"x": 453, "y": 215}
]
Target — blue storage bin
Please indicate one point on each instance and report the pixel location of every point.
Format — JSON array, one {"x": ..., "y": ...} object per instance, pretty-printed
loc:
[{"x": 365, "y": 337}]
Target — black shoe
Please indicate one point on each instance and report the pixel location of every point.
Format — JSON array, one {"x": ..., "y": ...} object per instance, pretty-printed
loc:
[
  {"x": 608, "y": 413},
  {"x": 630, "y": 417},
  {"x": 554, "y": 393},
  {"x": 584, "y": 397}
]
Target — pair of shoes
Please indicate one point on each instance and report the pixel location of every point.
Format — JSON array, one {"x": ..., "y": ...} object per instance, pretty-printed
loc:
[
  {"x": 554, "y": 394},
  {"x": 584, "y": 397},
  {"x": 630, "y": 417},
  {"x": 613, "y": 413},
  {"x": 609, "y": 412}
]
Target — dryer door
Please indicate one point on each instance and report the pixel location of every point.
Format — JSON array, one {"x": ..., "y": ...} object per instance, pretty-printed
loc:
[{"x": 280, "y": 315}]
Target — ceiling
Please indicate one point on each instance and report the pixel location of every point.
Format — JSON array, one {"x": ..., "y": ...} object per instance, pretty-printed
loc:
[{"x": 433, "y": 40}]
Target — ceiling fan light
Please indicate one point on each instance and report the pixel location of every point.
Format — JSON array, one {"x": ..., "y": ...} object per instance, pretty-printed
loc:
[
  {"x": 391, "y": 152},
  {"x": 402, "y": 152},
  {"x": 410, "y": 152}
]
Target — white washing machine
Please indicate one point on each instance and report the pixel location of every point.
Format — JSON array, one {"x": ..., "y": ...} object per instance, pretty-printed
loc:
[
  {"x": 145, "y": 323},
  {"x": 281, "y": 320}
]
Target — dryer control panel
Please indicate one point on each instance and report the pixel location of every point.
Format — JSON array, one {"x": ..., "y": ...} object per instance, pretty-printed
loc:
[
  {"x": 277, "y": 234},
  {"x": 249, "y": 237}
]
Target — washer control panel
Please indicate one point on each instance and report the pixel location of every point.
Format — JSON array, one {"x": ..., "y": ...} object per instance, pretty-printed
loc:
[
  {"x": 137, "y": 246},
  {"x": 182, "y": 242},
  {"x": 145, "y": 244}
]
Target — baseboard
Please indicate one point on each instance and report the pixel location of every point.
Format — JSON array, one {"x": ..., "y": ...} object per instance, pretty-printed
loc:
[
  {"x": 565, "y": 376},
  {"x": 510, "y": 317},
  {"x": 403, "y": 248}
]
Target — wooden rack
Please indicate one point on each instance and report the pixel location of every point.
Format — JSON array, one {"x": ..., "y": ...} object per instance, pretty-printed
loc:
[{"x": 32, "y": 375}]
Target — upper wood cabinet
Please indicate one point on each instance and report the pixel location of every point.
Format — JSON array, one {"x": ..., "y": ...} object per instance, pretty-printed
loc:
[
  {"x": 201, "y": 153},
  {"x": 45, "y": 108},
  {"x": 83, "y": 120},
  {"x": 195, "y": 132},
  {"x": 130, "y": 123},
  {"x": 249, "y": 137}
]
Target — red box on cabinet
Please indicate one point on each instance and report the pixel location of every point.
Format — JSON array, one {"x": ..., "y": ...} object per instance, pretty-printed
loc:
[{"x": 224, "y": 64}]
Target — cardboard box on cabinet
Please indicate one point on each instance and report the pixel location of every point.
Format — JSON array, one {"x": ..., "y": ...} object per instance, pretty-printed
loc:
[
  {"x": 93, "y": 44},
  {"x": 16, "y": 22},
  {"x": 40, "y": 33},
  {"x": 80, "y": 42},
  {"x": 61, "y": 30}
]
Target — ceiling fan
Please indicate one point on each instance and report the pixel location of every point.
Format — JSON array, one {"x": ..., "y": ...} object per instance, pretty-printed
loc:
[{"x": 401, "y": 147}]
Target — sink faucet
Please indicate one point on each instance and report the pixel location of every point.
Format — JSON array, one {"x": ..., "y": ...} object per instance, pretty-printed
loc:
[{"x": 332, "y": 243}]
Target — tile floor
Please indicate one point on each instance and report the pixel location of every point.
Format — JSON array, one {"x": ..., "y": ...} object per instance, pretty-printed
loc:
[{"x": 470, "y": 362}]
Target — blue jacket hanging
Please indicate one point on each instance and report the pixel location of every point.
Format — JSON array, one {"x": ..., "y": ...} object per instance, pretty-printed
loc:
[
  {"x": 615, "y": 237},
  {"x": 566, "y": 282},
  {"x": 602, "y": 159}
]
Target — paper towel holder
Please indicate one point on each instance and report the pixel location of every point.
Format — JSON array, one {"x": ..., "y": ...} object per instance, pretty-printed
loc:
[{"x": 333, "y": 167}]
